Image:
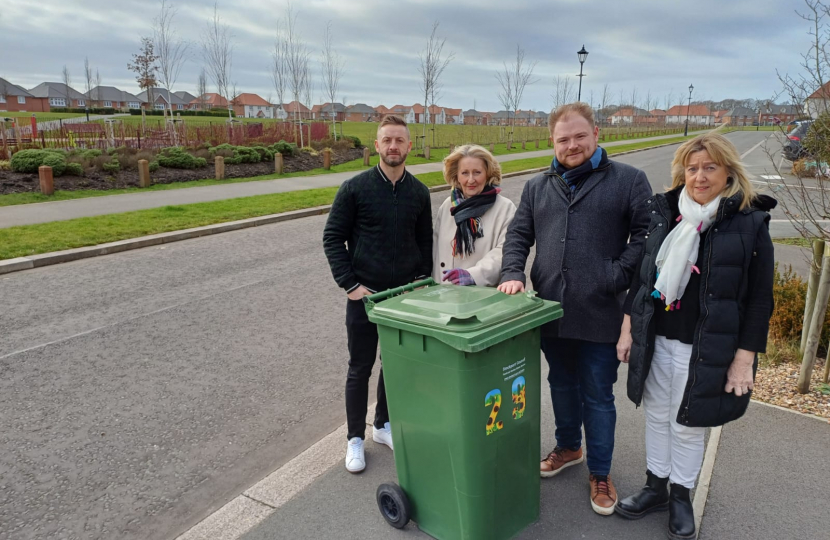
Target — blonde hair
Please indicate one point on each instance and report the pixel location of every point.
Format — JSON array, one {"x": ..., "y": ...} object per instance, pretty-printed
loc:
[
  {"x": 722, "y": 152},
  {"x": 578, "y": 107},
  {"x": 492, "y": 169}
]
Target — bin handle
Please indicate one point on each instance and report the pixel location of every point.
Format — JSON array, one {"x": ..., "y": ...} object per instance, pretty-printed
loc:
[{"x": 372, "y": 299}]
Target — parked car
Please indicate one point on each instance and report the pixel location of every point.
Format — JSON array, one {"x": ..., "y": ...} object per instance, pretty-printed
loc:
[{"x": 793, "y": 148}]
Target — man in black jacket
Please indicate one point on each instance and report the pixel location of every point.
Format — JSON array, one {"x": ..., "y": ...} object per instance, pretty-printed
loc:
[
  {"x": 587, "y": 217},
  {"x": 377, "y": 236}
]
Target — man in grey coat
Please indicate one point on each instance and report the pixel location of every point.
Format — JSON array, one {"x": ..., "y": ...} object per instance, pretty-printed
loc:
[{"x": 588, "y": 220}]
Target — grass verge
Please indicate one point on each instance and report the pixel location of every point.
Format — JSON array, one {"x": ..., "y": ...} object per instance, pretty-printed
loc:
[
  {"x": 74, "y": 233},
  {"x": 800, "y": 242}
]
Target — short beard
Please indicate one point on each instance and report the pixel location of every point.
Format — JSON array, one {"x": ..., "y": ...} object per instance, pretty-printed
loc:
[{"x": 394, "y": 161}]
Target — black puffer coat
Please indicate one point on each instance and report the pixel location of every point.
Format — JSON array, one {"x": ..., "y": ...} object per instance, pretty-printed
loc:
[{"x": 728, "y": 310}]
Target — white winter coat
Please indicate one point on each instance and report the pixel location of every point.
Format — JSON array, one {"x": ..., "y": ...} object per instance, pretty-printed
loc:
[{"x": 484, "y": 264}]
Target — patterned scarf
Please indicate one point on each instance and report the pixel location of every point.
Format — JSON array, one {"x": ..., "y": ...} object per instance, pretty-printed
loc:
[
  {"x": 467, "y": 214},
  {"x": 574, "y": 177}
]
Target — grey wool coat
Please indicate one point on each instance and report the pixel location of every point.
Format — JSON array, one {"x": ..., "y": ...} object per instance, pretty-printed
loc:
[{"x": 587, "y": 248}]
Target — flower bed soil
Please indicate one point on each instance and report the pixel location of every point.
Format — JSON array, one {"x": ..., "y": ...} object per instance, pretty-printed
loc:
[
  {"x": 776, "y": 384},
  {"x": 12, "y": 182}
]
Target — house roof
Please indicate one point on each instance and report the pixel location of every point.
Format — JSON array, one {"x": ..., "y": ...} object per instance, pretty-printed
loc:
[
  {"x": 401, "y": 109},
  {"x": 359, "y": 108},
  {"x": 434, "y": 109},
  {"x": 161, "y": 93},
  {"x": 821, "y": 93},
  {"x": 473, "y": 113},
  {"x": 111, "y": 93},
  {"x": 452, "y": 112},
  {"x": 55, "y": 90},
  {"x": 418, "y": 108},
  {"x": 187, "y": 97},
  {"x": 295, "y": 106},
  {"x": 658, "y": 112},
  {"x": 783, "y": 109},
  {"x": 212, "y": 99},
  {"x": 695, "y": 110},
  {"x": 503, "y": 114},
  {"x": 250, "y": 100},
  {"x": 330, "y": 107},
  {"x": 9, "y": 89},
  {"x": 741, "y": 111}
]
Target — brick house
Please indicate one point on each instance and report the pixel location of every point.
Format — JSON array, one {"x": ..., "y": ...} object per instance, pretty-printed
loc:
[
  {"x": 473, "y": 117},
  {"x": 163, "y": 100},
  {"x": 327, "y": 110},
  {"x": 454, "y": 116},
  {"x": 630, "y": 116},
  {"x": 59, "y": 95},
  {"x": 817, "y": 102},
  {"x": 110, "y": 96},
  {"x": 740, "y": 116},
  {"x": 188, "y": 99},
  {"x": 784, "y": 114},
  {"x": 252, "y": 106},
  {"x": 210, "y": 100},
  {"x": 381, "y": 111},
  {"x": 699, "y": 115},
  {"x": 17, "y": 99},
  {"x": 360, "y": 112},
  {"x": 297, "y": 110},
  {"x": 436, "y": 115}
]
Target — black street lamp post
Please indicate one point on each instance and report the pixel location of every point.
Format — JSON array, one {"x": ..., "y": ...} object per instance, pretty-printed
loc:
[
  {"x": 582, "y": 54},
  {"x": 686, "y": 131}
]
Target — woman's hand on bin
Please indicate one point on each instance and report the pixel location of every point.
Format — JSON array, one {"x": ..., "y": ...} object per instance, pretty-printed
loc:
[
  {"x": 459, "y": 276},
  {"x": 512, "y": 287},
  {"x": 359, "y": 293}
]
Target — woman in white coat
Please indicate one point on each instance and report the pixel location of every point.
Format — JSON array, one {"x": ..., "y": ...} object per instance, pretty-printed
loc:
[{"x": 469, "y": 229}]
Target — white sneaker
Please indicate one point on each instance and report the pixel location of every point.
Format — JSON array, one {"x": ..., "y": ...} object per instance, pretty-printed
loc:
[
  {"x": 355, "y": 460},
  {"x": 383, "y": 435}
]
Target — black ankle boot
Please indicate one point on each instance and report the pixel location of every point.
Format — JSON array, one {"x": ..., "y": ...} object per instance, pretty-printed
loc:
[
  {"x": 681, "y": 514},
  {"x": 654, "y": 497}
]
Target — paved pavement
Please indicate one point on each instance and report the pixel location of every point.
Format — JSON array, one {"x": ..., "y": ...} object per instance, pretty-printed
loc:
[
  {"x": 143, "y": 390},
  {"x": 95, "y": 206}
]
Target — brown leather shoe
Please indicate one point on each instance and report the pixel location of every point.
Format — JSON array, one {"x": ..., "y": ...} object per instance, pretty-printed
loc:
[
  {"x": 560, "y": 458},
  {"x": 603, "y": 494}
]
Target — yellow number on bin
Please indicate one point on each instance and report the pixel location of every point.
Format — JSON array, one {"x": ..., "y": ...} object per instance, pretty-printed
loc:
[
  {"x": 493, "y": 399},
  {"x": 519, "y": 397}
]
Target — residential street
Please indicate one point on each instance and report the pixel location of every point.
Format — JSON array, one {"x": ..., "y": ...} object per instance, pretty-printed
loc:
[{"x": 142, "y": 391}]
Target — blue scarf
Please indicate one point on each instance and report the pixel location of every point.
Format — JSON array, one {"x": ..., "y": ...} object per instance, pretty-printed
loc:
[{"x": 574, "y": 177}]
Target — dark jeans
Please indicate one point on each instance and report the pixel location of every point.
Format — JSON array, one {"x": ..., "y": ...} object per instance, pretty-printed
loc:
[
  {"x": 582, "y": 376},
  {"x": 363, "y": 349}
]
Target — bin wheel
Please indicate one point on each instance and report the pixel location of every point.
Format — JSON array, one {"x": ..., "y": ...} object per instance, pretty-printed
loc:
[{"x": 393, "y": 504}]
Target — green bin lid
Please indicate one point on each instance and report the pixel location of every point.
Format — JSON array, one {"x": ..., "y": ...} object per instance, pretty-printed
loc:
[{"x": 467, "y": 318}]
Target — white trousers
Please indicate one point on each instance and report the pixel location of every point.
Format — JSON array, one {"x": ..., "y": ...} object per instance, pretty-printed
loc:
[{"x": 673, "y": 451}]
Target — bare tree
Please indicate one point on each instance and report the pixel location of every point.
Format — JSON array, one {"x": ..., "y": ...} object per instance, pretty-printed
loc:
[
  {"x": 432, "y": 66},
  {"x": 648, "y": 101},
  {"x": 144, "y": 65},
  {"x": 297, "y": 55},
  {"x": 202, "y": 88},
  {"x": 308, "y": 91},
  {"x": 67, "y": 82},
  {"x": 172, "y": 51},
  {"x": 635, "y": 98},
  {"x": 513, "y": 81},
  {"x": 332, "y": 67},
  {"x": 563, "y": 91},
  {"x": 89, "y": 78},
  {"x": 670, "y": 99},
  {"x": 279, "y": 64},
  {"x": 217, "y": 47}
]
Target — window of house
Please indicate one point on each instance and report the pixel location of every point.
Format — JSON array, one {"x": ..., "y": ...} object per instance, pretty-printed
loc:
[
  {"x": 81, "y": 103},
  {"x": 159, "y": 106},
  {"x": 108, "y": 104},
  {"x": 57, "y": 102},
  {"x": 21, "y": 99},
  {"x": 2, "y": 98},
  {"x": 134, "y": 105}
]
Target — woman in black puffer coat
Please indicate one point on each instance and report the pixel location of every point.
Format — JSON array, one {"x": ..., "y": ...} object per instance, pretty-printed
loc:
[{"x": 697, "y": 314}]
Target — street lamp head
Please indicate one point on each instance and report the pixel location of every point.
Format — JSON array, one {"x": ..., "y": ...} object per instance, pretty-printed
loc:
[
  {"x": 582, "y": 54},
  {"x": 691, "y": 87}
]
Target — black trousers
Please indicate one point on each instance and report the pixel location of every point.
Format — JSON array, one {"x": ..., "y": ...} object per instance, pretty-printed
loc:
[{"x": 363, "y": 349}]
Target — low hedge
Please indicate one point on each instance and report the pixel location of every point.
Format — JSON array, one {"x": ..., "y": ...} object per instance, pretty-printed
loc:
[
  {"x": 177, "y": 158},
  {"x": 28, "y": 161},
  {"x": 91, "y": 110}
]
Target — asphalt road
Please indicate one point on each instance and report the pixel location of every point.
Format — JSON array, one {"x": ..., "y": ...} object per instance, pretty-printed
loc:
[{"x": 143, "y": 390}]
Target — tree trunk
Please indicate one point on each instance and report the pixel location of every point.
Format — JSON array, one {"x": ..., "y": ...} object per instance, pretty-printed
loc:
[
  {"x": 812, "y": 285},
  {"x": 819, "y": 312}
]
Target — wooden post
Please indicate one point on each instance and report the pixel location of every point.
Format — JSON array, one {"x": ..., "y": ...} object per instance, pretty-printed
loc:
[
  {"x": 219, "y": 166},
  {"x": 452, "y": 149},
  {"x": 524, "y": 146},
  {"x": 426, "y": 152},
  {"x": 509, "y": 144},
  {"x": 47, "y": 183},
  {"x": 366, "y": 156},
  {"x": 278, "y": 163},
  {"x": 812, "y": 286},
  {"x": 537, "y": 144},
  {"x": 34, "y": 127},
  {"x": 492, "y": 148},
  {"x": 826, "y": 376},
  {"x": 327, "y": 159},
  {"x": 143, "y": 173},
  {"x": 819, "y": 312}
]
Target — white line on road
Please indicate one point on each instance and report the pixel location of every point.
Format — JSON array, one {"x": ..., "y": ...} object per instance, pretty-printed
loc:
[{"x": 753, "y": 148}]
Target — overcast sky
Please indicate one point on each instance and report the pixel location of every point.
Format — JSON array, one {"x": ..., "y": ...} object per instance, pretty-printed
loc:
[{"x": 726, "y": 48}]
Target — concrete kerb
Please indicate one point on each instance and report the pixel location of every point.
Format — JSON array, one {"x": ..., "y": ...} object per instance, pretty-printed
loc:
[{"x": 45, "y": 259}]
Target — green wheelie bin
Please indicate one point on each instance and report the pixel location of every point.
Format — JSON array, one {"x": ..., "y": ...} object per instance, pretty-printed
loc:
[{"x": 453, "y": 359}]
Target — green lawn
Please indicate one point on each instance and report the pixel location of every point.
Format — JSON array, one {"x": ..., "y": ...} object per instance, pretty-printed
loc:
[
  {"x": 60, "y": 235},
  {"x": 800, "y": 242},
  {"x": 41, "y": 116}
]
